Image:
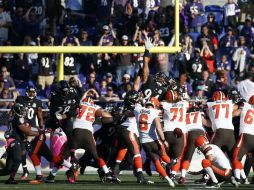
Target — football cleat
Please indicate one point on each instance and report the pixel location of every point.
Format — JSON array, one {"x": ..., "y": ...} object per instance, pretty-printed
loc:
[
  {"x": 234, "y": 182},
  {"x": 50, "y": 178},
  {"x": 70, "y": 176},
  {"x": 11, "y": 181},
  {"x": 142, "y": 180},
  {"x": 182, "y": 180},
  {"x": 38, "y": 180},
  {"x": 25, "y": 174}
]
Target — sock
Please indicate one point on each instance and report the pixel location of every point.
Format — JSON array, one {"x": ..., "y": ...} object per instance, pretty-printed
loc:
[
  {"x": 138, "y": 163},
  {"x": 38, "y": 170},
  {"x": 211, "y": 174},
  {"x": 66, "y": 164},
  {"x": 168, "y": 179},
  {"x": 159, "y": 168},
  {"x": 165, "y": 158},
  {"x": 120, "y": 155},
  {"x": 184, "y": 171},
  {"x": 243, "y": 176},
  {"x": 105, "y": 169},
  {"x": 237, "y": 173},
  {"x": 54, "y": 171}
]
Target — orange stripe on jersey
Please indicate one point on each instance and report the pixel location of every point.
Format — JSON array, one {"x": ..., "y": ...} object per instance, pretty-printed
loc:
[{"x": 134, "y": 143}]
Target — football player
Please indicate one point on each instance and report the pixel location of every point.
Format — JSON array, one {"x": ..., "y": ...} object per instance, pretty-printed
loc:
[
  {"x": 215, "y": 164},
  {"x": 34, "y": 117},
  {"x": 195, "y": 120},
  {"x": 151, "y": 135},
  {"x": 15, "y": 136},
  {"x": 245, "y": 143},
  {"x": 220, "y": 113},
  {"x": 83, "y": 131},
  {"x": 174, "y": 117},
  {"x": 128, "y": 136},
  {"x": 64, "y": 103}
]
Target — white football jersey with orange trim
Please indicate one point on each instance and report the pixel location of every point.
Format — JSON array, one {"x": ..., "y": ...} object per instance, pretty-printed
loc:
[
  {"x": 220, "y": 113},
  {"x": 174, "y": 115},
  {"x": 247, "y": 119},
  {"x": 131, "y": 125},
  {"x": 86, "y": 117},
  {"x": 145, "y": 121},
  {"x": 194, "y": 121},
  {"x": 218, "y": 156}
]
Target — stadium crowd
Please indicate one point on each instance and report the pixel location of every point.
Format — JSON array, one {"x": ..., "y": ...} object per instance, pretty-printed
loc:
[{"x": 212, "y": 79}]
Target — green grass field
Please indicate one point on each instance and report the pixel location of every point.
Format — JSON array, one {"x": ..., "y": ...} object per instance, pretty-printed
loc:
[{"x": 91, "y": 181}]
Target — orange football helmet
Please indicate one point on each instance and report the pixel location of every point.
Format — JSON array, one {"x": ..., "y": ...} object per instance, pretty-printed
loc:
[
  {"x": 201, "y": 141},
  {"x": 219, "y": 96},
  {"x": 88, "y": 100},
  {"x": 154, "y": 102},
  {"x": 251, "y": 100},
  {"x": 172, "y": 96}
]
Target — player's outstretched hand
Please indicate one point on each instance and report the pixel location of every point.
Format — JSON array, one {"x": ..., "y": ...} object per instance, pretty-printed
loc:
[{"x": 148, "y": 43}]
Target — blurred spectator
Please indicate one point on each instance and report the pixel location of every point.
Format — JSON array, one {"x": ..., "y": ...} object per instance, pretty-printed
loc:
[
  {"x": 206, "y": 38},
  {"x": 241, "y": 57},
  {"x": 207, "y": 81},
  {"x": 32, "y": 23},
  {"x": 185, "y": 85},
  {"x": 194, "y": 10},
  {"x": 103, "y": 87},
  {"x": 76, "y": 84},
  {"x": 6, "y": 81},
  {"x": 17, "y": 28},
  {"x": 7, "y": 59},
  {"x": 196, "y": 65},
  {"x": 69, "y": 38},
  {"x": 46, "y": 63},
  {"x": 213, "y": 26},
  {"x": 75, "y": 5},
  {"x": 200, "y": 89},
  {"x": 6, "y": 94},
  {"x": 187, "y": 47},
  {"x": 161, "y": 60},
  {"x": 228, "y": 42},
  {"x": 209, "y": 58},
  {"x": 110, "y": 96},
  {"x": 223, "y": 64},
  {"x": 221, "y": 83},
  {"x": 247, "y": 30},
  {"x": 231, "y": 13},
  {"x": 164, "y": 28},
  {"x": 21, "y": 72},
  {"x": 5, "y": 24},
  {"x": 110, "y": 82},
  {"x": 103, "y": 10},
  {"x": 125, "y": 86},
  {"x": 246, "y": 87},
  {"x": 70, "y": 65},
  {"x": 123, "y": 61},
  {"x": 86, "y": 60},
  {"x": 92, "y": 83}
]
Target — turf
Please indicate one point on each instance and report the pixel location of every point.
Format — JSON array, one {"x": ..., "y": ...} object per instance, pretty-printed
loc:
[{"x": 91, "y": 181}]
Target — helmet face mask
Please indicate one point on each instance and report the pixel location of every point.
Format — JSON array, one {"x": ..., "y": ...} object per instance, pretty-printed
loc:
[
  {"x": 131, "y": 98},
  {"x": 64, "y": 87},
  {"x": 19, "y": 110},
  {"x": 161, "y": 79},
  {"x": 172, "y": 96},
  {"x": 234, "y": 95}
]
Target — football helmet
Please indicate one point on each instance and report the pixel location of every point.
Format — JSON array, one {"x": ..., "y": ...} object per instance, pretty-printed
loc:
[
  {"x": 201, "y": 141},
  {"x": 19, "y": 110},
  {"x": 234, "y": 95},
  {"x": 131, "y": 98},
  {"x": 64, "y": 87},
  {"x": 251, "y": 100},
  {"x": 88, "y": 100},
  {"x": 31, "y": 92},
  {"x": 161, "y": 79},
  {"x": 172, "y": 96},
  {"x": 219, "y": 96},
  {"x": 154, "y": 102}
]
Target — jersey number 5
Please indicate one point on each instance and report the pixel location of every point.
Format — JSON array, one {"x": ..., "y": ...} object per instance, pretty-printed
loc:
[
  {"x": 143, "y": 125},
  {"x": 90, "y": 115},
  {"x": 249, "y": 117}
]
